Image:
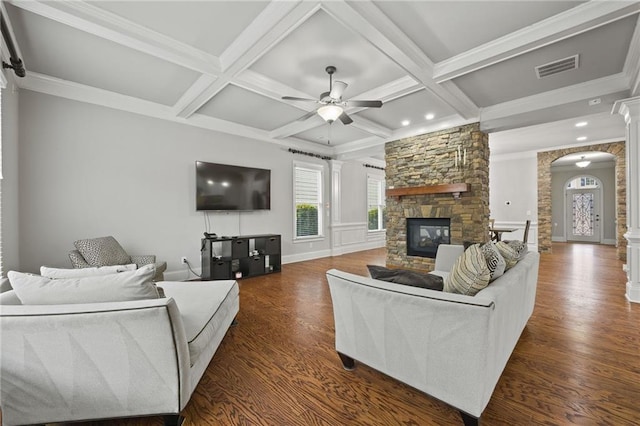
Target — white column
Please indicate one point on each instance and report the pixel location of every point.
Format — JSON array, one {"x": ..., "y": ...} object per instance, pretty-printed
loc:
[
  {"x": 630, "y": 110},
  {"x": 335, "y": 168},
  {"x": 336, "y": 190}
]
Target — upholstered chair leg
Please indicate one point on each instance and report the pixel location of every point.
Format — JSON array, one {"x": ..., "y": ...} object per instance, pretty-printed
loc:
[
  {"x": 347, "y": 362},
  {"x": 173, "y": 420},
  {"x": 469, "y": 420}
]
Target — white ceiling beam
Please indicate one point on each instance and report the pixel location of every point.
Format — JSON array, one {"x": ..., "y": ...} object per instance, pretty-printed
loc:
[
  {"x": 369, "y": 126},
  {"x": 99, "y": 22},
  {"x": 66, "y": 89},
  {"x": 590, "y": 89},
  {"x": 265, "y": 86},
  {"x": 569, "y": 23},
  {"x": 375, "y": 27},
  {"x": 276, "y": 21}
]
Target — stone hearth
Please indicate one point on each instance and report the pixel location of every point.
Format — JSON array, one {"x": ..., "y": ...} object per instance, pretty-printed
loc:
[{"x": 432, "y": 159}]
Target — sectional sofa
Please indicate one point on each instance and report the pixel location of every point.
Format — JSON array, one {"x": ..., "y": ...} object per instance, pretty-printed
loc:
[{"x": 453, "y": 347}]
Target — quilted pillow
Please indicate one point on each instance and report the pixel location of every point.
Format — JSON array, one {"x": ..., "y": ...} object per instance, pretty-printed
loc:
[
  {"x": 402, "y": 276},
  {"x": 469, "y": 274},
  {"x": 132, "y": 285},
  {"x": 57, "y": 273},
  {"x": 512, "y": 251},
  {"x": 495, "y": 261},
  {"x": 104, "y": 251}
]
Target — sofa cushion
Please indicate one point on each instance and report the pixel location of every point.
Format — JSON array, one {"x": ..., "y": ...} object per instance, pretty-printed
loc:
[
  {"x": 57, "y": 273},
  {"x": 103, "y": 251},
  {"x": 402, "y": 276},
  {"x": 202, "y": 308},
  {"x": 132, "y": 285},
  {"x": 512, "y": 251},
  {"x": 495, "y": 261},
  {"x": 469, "y": 274}
]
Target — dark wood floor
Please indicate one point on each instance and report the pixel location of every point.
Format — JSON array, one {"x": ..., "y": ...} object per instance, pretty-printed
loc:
[{"x": 577, "y": 362}]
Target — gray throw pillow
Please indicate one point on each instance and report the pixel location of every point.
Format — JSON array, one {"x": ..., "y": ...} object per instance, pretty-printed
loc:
[
  {"x": 103, "y": 251},
  {"x": 402, "y": 276}
]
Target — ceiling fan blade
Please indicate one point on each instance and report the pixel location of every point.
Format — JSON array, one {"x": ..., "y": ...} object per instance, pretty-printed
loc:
[
  {"x": 338, "y": 89},
  {"x": 293, "y": 98},
  {"x": 368, "y": 104},
  {"x": 307, "y": 115},
  {"x": 345, "y": 118}
]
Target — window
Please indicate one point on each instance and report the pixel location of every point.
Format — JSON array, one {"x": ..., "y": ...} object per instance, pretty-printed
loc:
[
  {"x": 583, "y": 182},
  {"x": 376, "y": 209},
  {"x": 307, "y": 193}
]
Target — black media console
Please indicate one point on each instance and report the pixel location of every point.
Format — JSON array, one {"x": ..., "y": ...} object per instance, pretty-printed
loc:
[{"x": 226, "y": 258}]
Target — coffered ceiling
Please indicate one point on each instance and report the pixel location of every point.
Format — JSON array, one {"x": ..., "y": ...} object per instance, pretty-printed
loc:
[{"x": 225, "y": 65}]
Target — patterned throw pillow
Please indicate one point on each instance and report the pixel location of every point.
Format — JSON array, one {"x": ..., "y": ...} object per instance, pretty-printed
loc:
[
  {"x": 512, "y": 251},
  {"x": 469, "y": 274},
  {"x": 104, "y": 251},
  {"x": 495, "y": 261}
]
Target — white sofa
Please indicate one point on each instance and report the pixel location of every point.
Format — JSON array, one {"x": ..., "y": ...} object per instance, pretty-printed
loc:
[
  {"x": 108, "y": 360},
  {"x": 453, "y": 347}
]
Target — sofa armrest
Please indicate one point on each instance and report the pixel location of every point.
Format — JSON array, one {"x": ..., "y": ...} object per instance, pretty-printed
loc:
[{"x": 102, "y": 360}]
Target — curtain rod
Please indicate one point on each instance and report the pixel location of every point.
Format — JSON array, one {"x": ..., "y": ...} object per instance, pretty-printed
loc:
[{"x": 16, "y": 63}]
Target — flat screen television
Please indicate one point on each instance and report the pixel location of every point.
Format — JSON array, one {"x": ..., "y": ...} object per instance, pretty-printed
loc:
[{"x": 227, "y": 187}]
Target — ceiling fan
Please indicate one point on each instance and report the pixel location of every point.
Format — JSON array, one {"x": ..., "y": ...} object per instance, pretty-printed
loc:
[{"x": 332, "y": 105}]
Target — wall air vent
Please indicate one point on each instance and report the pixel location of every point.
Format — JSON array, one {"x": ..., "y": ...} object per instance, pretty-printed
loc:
[{"x": 558, "y": 66}]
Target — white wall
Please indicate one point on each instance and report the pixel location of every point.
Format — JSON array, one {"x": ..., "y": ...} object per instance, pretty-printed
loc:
[
  {"x": 513, "y": 193},
  {"x": 10, "y": 215},
  {"x": 606, "y": 175},
  {"x": 88, "y": 171}
]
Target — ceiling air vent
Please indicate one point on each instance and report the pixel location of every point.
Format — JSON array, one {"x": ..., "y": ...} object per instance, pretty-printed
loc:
[{"x": 555, "y": 67}]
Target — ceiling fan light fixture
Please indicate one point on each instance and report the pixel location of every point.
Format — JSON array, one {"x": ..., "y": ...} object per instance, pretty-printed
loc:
[{"x": 330, "y": 113}]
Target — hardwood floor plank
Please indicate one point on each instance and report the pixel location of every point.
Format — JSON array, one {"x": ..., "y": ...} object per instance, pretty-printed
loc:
[{"x": 577, "y": 361}]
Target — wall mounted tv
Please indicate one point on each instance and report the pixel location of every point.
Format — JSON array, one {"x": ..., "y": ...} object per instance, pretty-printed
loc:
[{"x": 227, "y": 187}]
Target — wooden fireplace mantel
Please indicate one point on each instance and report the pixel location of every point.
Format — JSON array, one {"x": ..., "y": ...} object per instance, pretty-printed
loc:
[{"x": 452, "y": 188}]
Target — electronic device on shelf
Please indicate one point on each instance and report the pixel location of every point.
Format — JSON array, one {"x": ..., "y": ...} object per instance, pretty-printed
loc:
[{"x": 210, "y": 235}]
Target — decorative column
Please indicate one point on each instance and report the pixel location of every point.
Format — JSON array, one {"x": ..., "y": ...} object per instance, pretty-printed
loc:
[{"x": 630, "y": 110}]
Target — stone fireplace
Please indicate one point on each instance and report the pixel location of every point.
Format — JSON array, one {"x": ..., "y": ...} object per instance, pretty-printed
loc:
[
  {"x": 424, "y": 235},
  {"x": 428, "y": 170}
]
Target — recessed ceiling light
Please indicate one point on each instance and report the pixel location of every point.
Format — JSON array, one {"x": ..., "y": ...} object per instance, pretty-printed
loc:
[
  {"x": 581, "y": 124},
  {"x": 429, "y": 116},
  {"x": 581, "y": 138},
  {"x": 405, "y": 122}
]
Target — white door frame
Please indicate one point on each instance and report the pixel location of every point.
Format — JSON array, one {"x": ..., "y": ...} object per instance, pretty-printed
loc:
[{"x": 598, "y": 235}]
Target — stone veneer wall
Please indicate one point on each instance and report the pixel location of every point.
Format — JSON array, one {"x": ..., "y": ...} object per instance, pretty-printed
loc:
[
  {"x": 544, "y": 192},
  {"x": 429, "y": 159}
]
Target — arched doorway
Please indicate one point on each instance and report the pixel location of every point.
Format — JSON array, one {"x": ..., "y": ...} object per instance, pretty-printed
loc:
[{"x": 547, "y": 228}]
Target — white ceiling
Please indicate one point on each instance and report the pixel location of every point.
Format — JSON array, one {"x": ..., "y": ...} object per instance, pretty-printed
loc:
[{"x": 224, "y": 65}]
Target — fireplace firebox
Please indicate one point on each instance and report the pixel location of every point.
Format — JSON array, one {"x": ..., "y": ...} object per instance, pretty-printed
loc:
[{"x": 424, "y": 235}]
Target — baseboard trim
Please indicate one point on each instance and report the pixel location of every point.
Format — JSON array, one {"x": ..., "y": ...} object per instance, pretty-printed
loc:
[{"x": 558, "y": 239}]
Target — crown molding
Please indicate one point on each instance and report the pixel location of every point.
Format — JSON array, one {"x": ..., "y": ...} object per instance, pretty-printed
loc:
[
  {"x": 99, "y": 22},
  {"x": 569, "y": 23}
]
